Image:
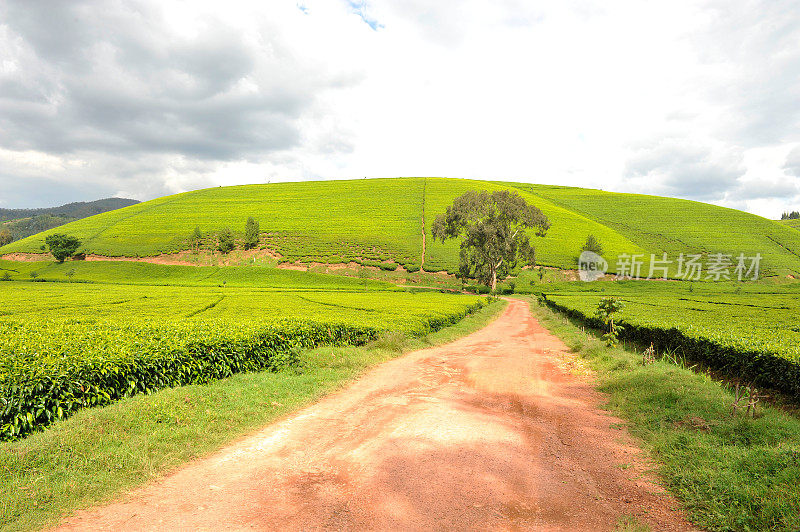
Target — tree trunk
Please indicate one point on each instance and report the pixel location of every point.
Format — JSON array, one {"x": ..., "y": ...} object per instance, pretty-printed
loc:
[{"x": 494, "y": 274}]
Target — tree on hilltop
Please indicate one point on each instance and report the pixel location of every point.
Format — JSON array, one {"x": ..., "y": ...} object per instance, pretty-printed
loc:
[
  {"x": 62, "y": 246},
  {"x": 493, "y": 228},
  {"x": 251, "y": 231}
]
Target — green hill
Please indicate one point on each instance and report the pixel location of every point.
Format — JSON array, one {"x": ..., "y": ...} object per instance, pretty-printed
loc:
[
  {"x": 791, "y": 223},
  {"x": 679, "y": 226},
  {"x": 381, "y": 220}
]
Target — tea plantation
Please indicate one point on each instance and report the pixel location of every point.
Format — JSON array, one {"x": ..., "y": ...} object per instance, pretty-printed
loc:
[
  {"x": 70, "y": 346},
  {"x": 380, "y": 221},
  {"x": 791, "y": 223},
  {"x": 750, "y": 331}
]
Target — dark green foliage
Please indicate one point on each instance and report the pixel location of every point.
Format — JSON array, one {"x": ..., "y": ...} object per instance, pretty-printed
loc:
[
  {"x": 251, "y": 233},
  {"x": 225, "y": 243},
  {"x": 794, "y": 215},
  {"x": 593, "y": 245},
  {"x": 494, "y": 231},
  {"x": 5, "y": 237},
  {"x": 62, "y": 246},
  {"x": 26, "y": 227},
  {"x": 27, "y": 222},
  {"x": 73, "y": 211}
]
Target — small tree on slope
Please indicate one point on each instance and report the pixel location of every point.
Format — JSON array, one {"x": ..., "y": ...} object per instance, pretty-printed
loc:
[
  {"x": 195, "y": 239},
  {"x": 226, "y": 242},
  {"x": 593, "y": 245},
  {"x": 494, "y": 231},
  {"x": 251, "y": 233}
]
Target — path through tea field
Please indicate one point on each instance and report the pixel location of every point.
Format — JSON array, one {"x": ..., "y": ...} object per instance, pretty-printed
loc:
[{"x": 488, "y": 432}]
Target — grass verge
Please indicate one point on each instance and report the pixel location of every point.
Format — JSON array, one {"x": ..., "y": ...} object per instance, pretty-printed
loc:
[
  {"x": 98, "y": 453},
  {"x": 730, "y": 472}
]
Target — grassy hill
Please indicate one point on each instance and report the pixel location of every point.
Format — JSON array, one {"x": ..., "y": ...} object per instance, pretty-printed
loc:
[
  {"x": 791, "y": 223},
  {"x": 682, "y": 226},
  {"x": 381, "y": 220}
]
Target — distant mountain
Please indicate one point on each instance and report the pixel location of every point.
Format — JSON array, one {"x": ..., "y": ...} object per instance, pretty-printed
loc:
[
  {"x": 23, "y": 223},
  {"x": 77, "y": 210}
]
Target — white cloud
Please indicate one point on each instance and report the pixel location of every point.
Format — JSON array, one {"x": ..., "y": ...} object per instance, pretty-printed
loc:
[{"x": 671, "y": 98}]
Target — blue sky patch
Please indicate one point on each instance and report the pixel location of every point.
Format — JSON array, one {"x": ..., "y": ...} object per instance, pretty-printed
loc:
[{"x": 360, "y": 9}]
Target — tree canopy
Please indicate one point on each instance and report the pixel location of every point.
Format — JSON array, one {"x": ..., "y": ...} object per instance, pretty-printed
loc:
[
  {"x": 62, "y": 246},
  {"x": 494, "y": 231}
]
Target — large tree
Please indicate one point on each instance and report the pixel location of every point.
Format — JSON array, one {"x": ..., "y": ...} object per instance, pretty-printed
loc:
[
  {"x": 62, "y": 246},
  {"x": 494, "y": 231}
]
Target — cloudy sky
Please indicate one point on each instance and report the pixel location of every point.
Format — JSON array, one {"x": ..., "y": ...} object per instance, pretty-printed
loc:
[{"x": 699, "y": 100}]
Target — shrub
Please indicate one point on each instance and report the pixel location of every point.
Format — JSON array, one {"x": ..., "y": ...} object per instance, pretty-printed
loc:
[{"x": 606, "y": 309}]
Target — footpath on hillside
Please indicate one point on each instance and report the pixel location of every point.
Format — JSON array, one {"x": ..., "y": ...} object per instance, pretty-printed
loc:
[{"x": 488, "y": 432}]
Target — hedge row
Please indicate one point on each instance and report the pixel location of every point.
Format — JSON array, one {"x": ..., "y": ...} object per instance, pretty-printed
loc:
[
  {"x": 33, "y": 395},
  {"x": 759, "y": 367}
]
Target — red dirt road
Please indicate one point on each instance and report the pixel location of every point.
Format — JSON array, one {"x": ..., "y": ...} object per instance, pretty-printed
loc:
[{"x": 488, "y": 432}]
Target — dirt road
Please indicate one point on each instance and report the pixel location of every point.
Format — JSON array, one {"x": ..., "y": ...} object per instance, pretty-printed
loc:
[{"x": 484, "y": 433}]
